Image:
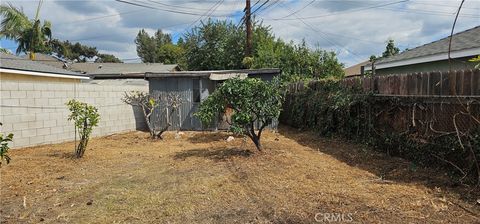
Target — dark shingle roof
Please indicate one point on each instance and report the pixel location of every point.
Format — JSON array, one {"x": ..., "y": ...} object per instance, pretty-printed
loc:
[
  {"x": 464, "y": 40},
  {"x": 9, "y": 61}
]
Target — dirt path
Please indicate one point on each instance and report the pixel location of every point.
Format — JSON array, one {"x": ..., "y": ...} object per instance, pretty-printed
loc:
[{"x": 201, "y": 178}]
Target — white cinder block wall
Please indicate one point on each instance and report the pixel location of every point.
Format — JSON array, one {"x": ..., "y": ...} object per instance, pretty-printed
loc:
[{"x": 35, "y": 112}]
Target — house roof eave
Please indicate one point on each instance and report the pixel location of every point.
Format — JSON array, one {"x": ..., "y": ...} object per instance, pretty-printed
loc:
[{"x": 425, "y": 59}]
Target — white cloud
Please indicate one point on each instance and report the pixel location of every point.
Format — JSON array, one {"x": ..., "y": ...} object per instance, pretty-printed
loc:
[{"x": 345, "y": 27}]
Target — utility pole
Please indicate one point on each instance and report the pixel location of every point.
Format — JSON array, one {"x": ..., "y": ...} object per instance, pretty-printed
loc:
[{"x": 248, "y": 24}]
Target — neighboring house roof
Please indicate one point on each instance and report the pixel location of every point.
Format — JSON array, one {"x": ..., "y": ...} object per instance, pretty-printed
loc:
[
  {"x": 464, "y": 44},
  {"x": 355, "y": 69},
  {"x": 49, "y": 60},
  {"x": 216, "y": 74},
  {"x": 13, "y": 64},
  {"x": 100, "y": 69}
]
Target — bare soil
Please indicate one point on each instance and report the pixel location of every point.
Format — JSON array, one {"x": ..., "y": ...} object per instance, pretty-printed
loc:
[{"x": 202, "y": 178}]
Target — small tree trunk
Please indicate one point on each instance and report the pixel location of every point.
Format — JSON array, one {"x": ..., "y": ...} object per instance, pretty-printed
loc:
[{"x": 256, "y": 141}]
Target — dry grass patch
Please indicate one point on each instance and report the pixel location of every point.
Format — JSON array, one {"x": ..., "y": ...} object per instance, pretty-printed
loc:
[{"x": 201, "y": 178}]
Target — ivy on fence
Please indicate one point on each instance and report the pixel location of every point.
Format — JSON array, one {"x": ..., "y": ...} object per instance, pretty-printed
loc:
[{"x": 428, "y": 132}]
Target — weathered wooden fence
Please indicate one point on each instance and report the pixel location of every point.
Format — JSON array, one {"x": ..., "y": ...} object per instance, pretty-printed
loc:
[
  {"x": 425, "y": 103},
  {"x": 455, "y": 83}
]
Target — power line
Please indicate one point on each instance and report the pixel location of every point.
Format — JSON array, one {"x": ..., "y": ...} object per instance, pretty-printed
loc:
[
  {"x": 166, "y": 10},
  {"x": 272, "y": 5},
  {"x": 446, "y": 6},
  {"x": 359, "y": 58},
  {"x": 294, "y": 13},
  {"x": 451, "y": 34},
  {"x": 346, "y": 11},
  {"x": 109, "y": 35},
  {"x": 429, "y": 12},
  {"x": 209, "y": 12},
  {"x": 259, "y": 7},
  {"x": 101, "y": 17},
  {"x": 180, "y": 7},
  {"x": 382, "y": 7}
]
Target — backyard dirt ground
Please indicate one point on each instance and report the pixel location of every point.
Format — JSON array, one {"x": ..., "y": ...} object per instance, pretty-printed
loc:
[{"x": 201, "y": 178}]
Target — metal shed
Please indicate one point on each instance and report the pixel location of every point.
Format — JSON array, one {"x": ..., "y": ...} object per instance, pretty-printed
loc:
[{"x": 193, "y": 87}]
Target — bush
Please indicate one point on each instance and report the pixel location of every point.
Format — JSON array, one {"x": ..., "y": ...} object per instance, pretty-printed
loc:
[
  {"x": 4, "y": 147},
  {"x": 85, "y": 117},
  {"x": 254, "y": 103},
  {"x": 149, "y": 105}
]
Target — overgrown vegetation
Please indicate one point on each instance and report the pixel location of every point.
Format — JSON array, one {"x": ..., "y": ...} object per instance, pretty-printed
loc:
[
  {"x": 220, "y": 45},
  {"x": 150, "y": 105},
  {"x": 85, "y": 117},
  {"x": 255, "y": 105},
  {"x": 4, "y": 140},
  {"x": 331, "y": 108}
]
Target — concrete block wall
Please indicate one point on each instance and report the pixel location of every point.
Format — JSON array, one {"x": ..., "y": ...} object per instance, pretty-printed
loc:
[{"x": 35, "y": 111}]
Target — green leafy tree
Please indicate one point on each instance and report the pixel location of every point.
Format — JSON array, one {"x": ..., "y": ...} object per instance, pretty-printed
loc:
[
  {"x": 146, "y": 46},
  {"x": 390, "y": 49},
  {"x": 30, "y": 35},
  {"x": 104, "y": 58},
  {"x": 219, "y": 45},
  {"x": 72, "y": 51},
  {"x": 4, "y": 140},
  {"x": 85, "y": 117},
  {"x": 158, "y": 48},
  {"x": 297, "y": 61},
  {"x": 170, "y": 54},
  {"x": 253, "y": 101},
  {"x": 162, "y": 38},
  {"x": 215, "y": 45},
  {"x": 78, "y": 52}
]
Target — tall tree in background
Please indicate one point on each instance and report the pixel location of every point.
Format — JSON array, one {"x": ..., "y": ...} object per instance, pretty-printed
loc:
[
  {"x": 72, "y": 51},
  {"x": 390, "y": 49},
  {"x": 146, "y": 46},
  {"x": 158, "y": 48},
  {"x": 214, "y": 45},
  {"x": 219, "y": 45},
  {"x": 30, "y": 35},
  {"x": 104, "y": 58}
]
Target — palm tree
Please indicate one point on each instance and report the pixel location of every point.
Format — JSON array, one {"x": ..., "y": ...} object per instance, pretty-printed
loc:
[{"x": 31, "y": 35}]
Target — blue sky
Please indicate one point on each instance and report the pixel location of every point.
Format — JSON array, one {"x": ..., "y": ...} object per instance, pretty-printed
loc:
[{"x": 354, "y": 29}]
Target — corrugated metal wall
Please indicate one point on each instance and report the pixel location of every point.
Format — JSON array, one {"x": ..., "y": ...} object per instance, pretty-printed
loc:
[{"x": 183, "y": 118}]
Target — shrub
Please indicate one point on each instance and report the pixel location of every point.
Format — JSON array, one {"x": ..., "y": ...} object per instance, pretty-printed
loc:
[
  {"x": 85, "y": 117},
  {"x": 4, "y": 147},
  {"x": 149, "y": 105},
  {"x": 253, "y": 102}
]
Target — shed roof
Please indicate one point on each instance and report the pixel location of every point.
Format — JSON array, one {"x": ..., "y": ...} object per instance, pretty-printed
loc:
[
  {"x": 12, "y": 62},
  {"x": 465, "y": 43},
  {"x": 264, "y": 71}
]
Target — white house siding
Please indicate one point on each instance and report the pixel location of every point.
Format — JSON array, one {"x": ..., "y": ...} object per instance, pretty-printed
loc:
[{"x": 35, "y": 112}]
